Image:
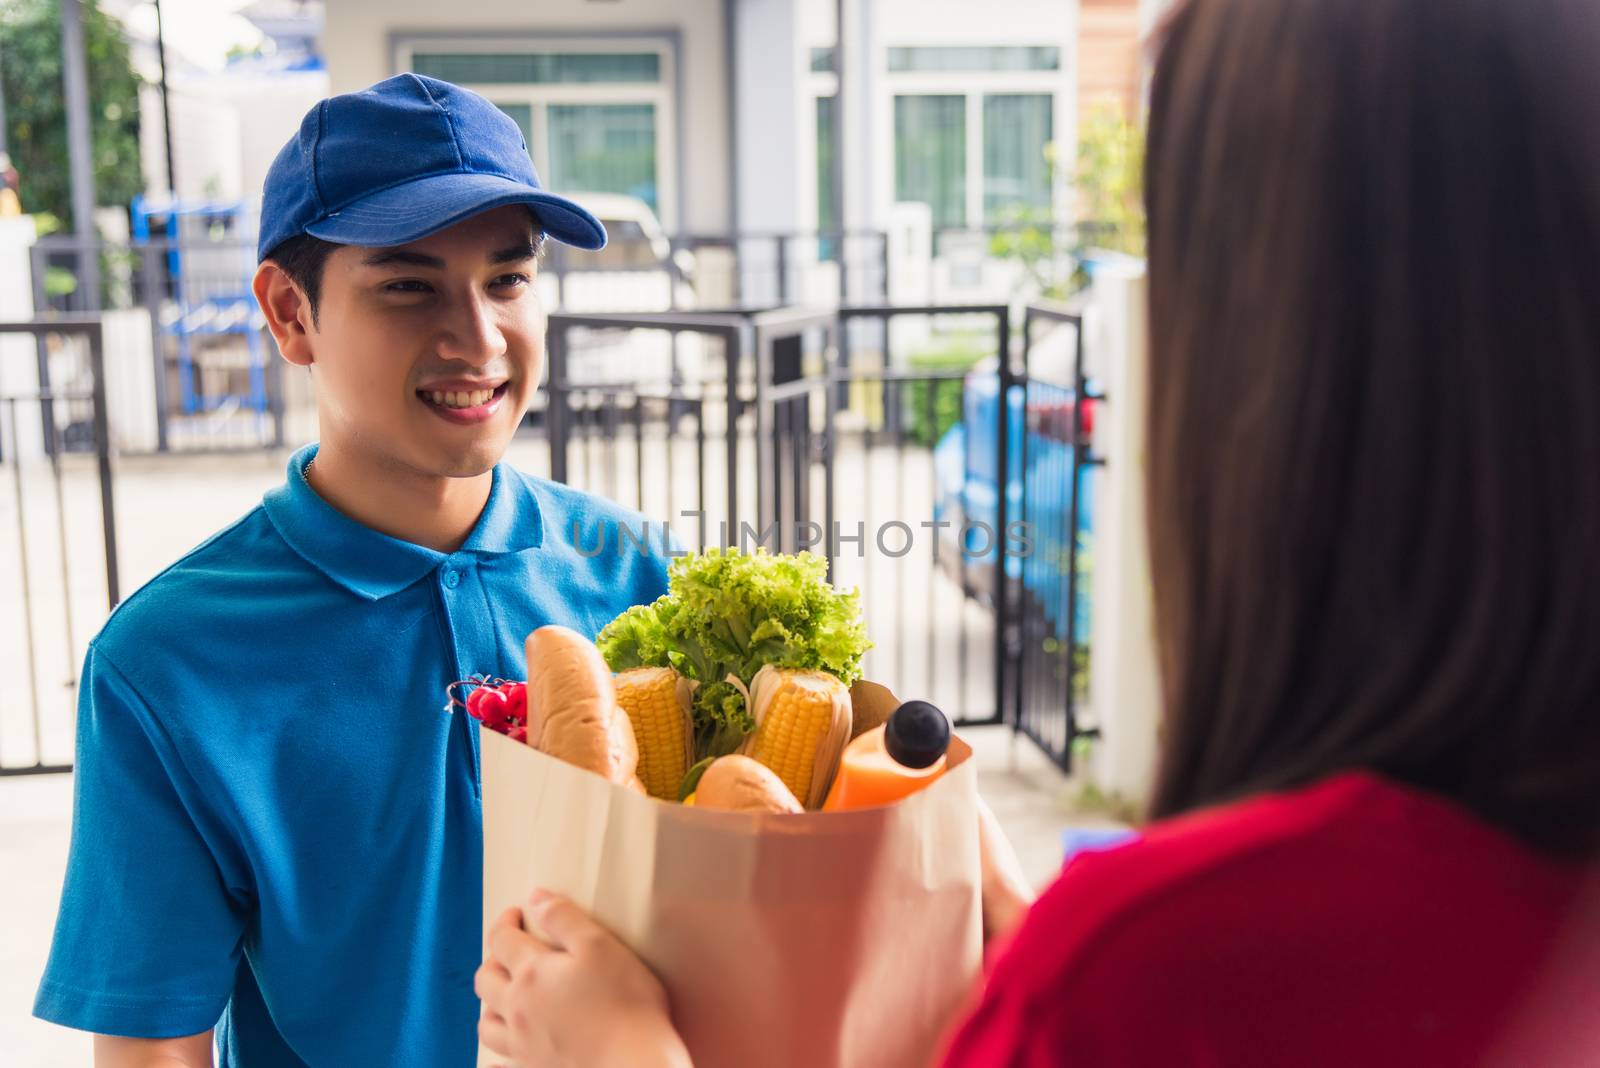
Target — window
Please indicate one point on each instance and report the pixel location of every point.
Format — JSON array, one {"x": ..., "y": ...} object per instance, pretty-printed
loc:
[
  {"x": 825, "y": 219},
  {"x": 930, "y": 148},
  {"x": 966, "y": 58},
  {"x": 604, "y": 148},
  {"x": 1016, "y": 175},
  {"x": 821, "y": 60},
  {"x": 522, "y": 114},
  {"x": 597, "y": 115},
  {"x": 538, "y": 68}
]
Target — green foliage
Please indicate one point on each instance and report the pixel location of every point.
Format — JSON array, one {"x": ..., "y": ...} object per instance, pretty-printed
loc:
[
  {"x": 727, "y": 613},
  {"x": 1110, "y": 181},
  {"x": 36, "y": 116},
  {"x": 1028, "y": 235},
  {"x": 957, "y": 352},
  {"x": 59, "y": 282}
]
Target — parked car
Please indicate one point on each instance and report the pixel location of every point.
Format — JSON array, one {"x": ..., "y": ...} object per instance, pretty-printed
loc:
[
  {"x": 1040, "y": 458},
  {"x": 637, "y": 271}
]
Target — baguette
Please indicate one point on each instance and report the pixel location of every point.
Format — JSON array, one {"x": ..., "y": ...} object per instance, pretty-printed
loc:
[{"x": 572, "y": 707}]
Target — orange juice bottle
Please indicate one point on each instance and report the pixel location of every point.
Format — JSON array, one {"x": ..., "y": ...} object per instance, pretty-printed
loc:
[{"x": 897, "y": 758}]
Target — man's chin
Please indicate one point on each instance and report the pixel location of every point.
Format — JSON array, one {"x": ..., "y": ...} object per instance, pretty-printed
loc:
[{"x": 469, "y": 465}]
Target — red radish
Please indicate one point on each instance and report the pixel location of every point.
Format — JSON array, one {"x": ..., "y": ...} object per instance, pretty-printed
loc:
[
  {"x": 516, "y": 699},
  {"x": 493, "y": 709},
  {"x": 518, "y": 733}
]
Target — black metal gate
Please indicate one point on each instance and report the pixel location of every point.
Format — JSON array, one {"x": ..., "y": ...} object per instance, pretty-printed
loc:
[
  {"x": 950, "y": 496},
  {"x": 47, "y": 436}
]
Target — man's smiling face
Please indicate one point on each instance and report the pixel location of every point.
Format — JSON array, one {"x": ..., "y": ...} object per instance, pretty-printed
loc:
[{"x": 426, "y": 355}]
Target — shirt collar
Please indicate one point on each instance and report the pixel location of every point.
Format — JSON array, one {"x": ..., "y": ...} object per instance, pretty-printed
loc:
[{"x": 374, "y": 565}]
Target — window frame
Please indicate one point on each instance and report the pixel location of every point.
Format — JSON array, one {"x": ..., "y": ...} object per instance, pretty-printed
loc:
[
  {"x": 974, "y": 86},
  {"x": 664, "y": 95}
]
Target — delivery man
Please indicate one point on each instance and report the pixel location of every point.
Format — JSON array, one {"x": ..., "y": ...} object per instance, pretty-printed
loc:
[{"x": 277, "y": 837}]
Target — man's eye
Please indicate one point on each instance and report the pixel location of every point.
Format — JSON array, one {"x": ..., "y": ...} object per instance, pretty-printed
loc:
[
  {"x": 409, "y": 285},
  {"x": 511, "y": 280}
]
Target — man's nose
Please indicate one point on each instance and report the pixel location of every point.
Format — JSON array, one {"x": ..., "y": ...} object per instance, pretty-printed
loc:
[{"x": 470, "y": 332}]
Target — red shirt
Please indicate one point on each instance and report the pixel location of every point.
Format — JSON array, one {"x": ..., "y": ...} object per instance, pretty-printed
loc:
[{"x": 1355, "y": 922}]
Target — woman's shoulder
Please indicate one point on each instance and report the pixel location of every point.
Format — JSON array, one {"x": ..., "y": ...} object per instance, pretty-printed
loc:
[
  {"x": 1207, "y": 850},
  {"x": 1267, "y": 906}
]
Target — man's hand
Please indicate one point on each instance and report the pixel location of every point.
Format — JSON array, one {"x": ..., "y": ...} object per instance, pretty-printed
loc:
[
  {"x": 191, "y": 1052},
  {"x": 1006, "y": 893},
  {"x": 560, "y": 991}
]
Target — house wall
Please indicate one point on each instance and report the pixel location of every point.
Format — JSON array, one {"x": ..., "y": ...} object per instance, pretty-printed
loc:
[
  {"x": 875, "y": 26},
  {"x": 360, "y": 37},
  {"x": 1109, "y": 54}
]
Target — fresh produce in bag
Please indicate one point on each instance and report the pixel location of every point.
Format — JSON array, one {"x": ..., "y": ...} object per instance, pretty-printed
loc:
[
  {"x": 802, "y": 724},
  {"x": 736, "y": 783},
  {"x": 658, "y": 701},
  {"x": 728, "y": 619}
]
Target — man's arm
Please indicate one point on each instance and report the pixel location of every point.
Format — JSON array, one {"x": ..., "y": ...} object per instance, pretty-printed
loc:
[
  {"x": 155, "y": 900},
  {"x": 191, "y": 1052}
]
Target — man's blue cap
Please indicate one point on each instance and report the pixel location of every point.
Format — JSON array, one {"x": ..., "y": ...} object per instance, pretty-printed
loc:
[{"x": 404, "y": 159}]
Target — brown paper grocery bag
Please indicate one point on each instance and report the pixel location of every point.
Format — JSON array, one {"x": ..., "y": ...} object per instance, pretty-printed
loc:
[{"x": 823, "y": 940}]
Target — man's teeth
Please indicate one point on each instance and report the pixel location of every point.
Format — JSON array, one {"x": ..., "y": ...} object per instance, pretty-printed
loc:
[{"x": 456, "y": 399}]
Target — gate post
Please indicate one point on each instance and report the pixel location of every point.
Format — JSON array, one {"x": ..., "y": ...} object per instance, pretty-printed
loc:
[{"x": 1125, "y": 690}]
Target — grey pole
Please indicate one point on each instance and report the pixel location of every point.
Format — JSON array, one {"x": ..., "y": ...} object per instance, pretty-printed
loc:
[
  {"x": 840, "y": 121},
  {"x": 3, "y": 147},
  {"x": 166, "y": 108},
  {"x": 75, "y": 77}
]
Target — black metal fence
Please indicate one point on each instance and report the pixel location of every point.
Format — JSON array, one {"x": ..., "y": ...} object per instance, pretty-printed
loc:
[
  {"x": 1057, "y": 469},
  {"x": 209, "y": 368},
  {"x": 953, "y": 497},
  {"x": 54, "y": 446},
  {"x": 722, "y": 271}
]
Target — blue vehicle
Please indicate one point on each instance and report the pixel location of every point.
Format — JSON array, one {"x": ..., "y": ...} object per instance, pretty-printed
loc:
[{"x": 1041, "y": 460}]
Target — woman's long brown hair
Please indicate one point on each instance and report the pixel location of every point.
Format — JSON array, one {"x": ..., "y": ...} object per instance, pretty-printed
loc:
[{"x": 1374, "y": 451}]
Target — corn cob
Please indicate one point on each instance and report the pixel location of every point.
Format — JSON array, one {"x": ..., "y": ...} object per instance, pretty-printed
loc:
[
  {"x": 657, "y": 703},
  {"x": 802, "y": 725}
]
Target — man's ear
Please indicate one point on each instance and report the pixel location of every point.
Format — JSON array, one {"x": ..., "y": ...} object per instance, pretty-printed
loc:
[{"x": 288, "y": 312}]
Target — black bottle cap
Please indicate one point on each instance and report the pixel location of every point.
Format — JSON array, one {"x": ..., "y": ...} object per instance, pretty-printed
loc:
[{"x": 916, "y": 735}]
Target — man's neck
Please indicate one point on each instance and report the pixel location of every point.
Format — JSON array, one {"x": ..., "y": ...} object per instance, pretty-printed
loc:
[{"x": 434, "y": 511}]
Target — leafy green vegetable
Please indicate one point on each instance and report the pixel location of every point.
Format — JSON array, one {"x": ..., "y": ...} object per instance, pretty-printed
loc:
[
  {"x": 731, "y": 613},
  {"x": 691, "y": 780}
]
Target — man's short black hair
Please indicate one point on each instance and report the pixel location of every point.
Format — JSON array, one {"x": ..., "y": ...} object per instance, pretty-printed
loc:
[{"x": 302, "y": 258}]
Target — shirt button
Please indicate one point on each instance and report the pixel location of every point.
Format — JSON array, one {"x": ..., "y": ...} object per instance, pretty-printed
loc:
[{"x": 452, "y": 579}]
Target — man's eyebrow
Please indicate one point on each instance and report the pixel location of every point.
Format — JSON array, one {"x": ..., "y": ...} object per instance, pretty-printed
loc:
[
  {"x": 516, "y": 253},
  {"x": 385, "y": 257}
]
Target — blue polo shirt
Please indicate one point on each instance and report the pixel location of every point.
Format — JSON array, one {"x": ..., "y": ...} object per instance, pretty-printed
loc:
[{"x": 277, "y": 828}]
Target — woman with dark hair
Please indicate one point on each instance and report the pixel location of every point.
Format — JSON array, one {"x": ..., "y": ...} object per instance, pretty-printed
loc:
[{"x": 1374, "y": 485}]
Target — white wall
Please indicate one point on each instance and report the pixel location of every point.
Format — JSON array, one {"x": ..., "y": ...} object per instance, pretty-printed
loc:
[
  {"x": 769, "y": 77},
  {"x": 205, "y": 143},
  {"x": 1125, "y": 689},
  {"x": 19, "y": 368},
  {"x": 357, "y": 41},
  {"x": 269, "y": 110}
]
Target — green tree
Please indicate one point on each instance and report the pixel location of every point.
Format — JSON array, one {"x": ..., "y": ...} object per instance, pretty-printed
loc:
[
  {"x": 1110, "y": 181},
  {"x": 1027, "y": 234},
  {"x": 36, "y": 115}
]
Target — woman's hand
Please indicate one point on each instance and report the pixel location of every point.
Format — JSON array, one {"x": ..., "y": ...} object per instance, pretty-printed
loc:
[
  {"x": 1006, "y": 893},
  {"x": 559, "y": 990}
]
